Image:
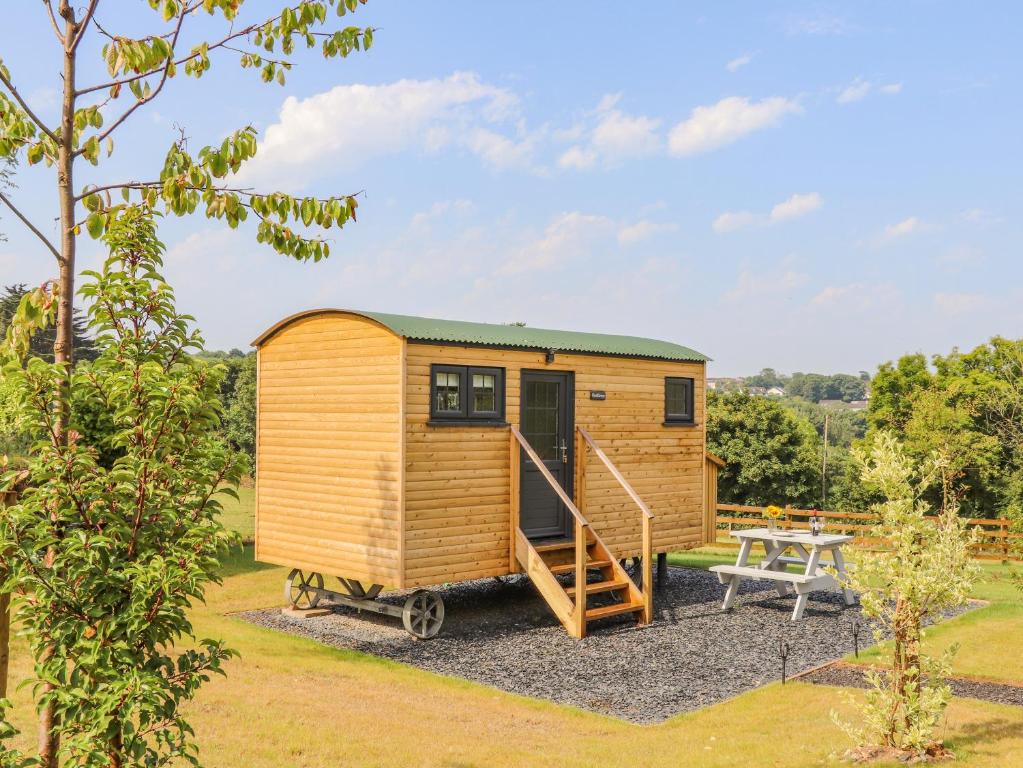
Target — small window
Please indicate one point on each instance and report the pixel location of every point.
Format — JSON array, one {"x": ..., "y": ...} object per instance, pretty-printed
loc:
[
  {"x": 678, "y": 400},
  {"x": 448, "y": 391},
  {"x": 484, "y": 393},
  {"x": 466, "y": 394}
]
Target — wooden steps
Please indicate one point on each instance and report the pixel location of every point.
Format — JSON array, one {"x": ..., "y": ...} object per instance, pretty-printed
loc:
[
  {"x": 555, "y": 546},
  {"x": 597, "y": 587},
  {"x": 570, "y": 567},
  {"x": 592, "y": 614},
  {"x": 544, "y": 561},
  {"x": 573, "y": 558}
]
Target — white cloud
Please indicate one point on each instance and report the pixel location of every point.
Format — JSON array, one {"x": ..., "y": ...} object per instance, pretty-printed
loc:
[
  {"x": 619, "y": 135},
  {"x": 440, "y": 209},
  {"x": 739, "y": 62},
  {"x": 855, "y": 297},
  {"x": 958, "y": 303},
  {"x": 499, "y": 151},
  {"x": 902, "y": 228},
  {"x": 859, "y": 89},
  {"x": 727, "y": 121},
  {"x": 793, "y": 208},
  {"x": 796, "y": 206},
  {"x": 350, "y": 124},
  {"x": 578, "y": 158},
  {"x": 566, "y": 238},
  {"x": 614, "y": 136},
  {"x": 980, "y": 216},
  {"x": 733, "y": 220},
  {"x": 834, "y": 293},
  {"x": 856, "y": 91},
  {"x": 631, "y": 234},
  {"x": 818, "y": 24},
  {"x": 751, "y": 285}
]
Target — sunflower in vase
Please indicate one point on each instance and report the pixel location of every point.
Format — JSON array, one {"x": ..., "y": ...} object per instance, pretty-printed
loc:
[{"x": 773, "y": 514}]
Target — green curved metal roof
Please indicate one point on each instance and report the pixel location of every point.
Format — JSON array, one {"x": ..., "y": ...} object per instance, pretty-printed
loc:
[
  {"x": 488, "y": 334},
  {"x": 429, "y": 329}
]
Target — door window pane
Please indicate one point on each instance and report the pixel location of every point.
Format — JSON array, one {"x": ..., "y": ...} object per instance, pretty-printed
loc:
[{"x": 540, "y": 418}]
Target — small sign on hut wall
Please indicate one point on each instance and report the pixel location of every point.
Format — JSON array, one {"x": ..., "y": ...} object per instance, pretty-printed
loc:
[{"x": 598, "y": 394}]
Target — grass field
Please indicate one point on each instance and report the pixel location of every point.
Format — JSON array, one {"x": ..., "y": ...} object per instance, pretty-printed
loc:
[
  {"x": 238, "y": 514},
  {"x": 292, "y": 702}
]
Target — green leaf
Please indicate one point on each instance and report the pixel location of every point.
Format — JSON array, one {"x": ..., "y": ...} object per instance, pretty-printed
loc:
[{"x": 94, "y": 225}]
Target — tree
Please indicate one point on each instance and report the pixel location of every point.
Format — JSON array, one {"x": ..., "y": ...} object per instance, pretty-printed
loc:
[
  {"x": 969, "y": 408},
  {"x": 923, "y": 569},
  {"x": 817, "y": 386},
  {"x": 42, "y": 342},
  {"x": 892, "y": 391},
  {"x": 844, "y": 427},
  {"x": 128, "y": 548},
  {"x": 771, "y": 453},
  {"x": 139, "y": 66},
  {"x": 240, "y": 419},
  {"x": 767, "y": 377}
]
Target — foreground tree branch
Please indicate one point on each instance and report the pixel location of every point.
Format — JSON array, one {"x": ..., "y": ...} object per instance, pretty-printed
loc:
[
  {"x": 32, "y": 227},
  {"x": 36, "y": 120}
]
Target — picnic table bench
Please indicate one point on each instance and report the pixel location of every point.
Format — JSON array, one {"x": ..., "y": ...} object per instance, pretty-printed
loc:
[{"x": 807, "y": 551}]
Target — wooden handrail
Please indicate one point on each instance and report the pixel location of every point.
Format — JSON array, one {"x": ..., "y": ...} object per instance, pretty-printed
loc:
[
  {"x": 617, "y": 475},
  {"x": 646, "y": 534},
  {"x": 550, "y": 478}
]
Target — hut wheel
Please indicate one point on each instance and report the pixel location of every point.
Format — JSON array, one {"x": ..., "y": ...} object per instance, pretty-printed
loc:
[
  {"x": 423, "y": 614},
  {"x": 300, "y": 589}
]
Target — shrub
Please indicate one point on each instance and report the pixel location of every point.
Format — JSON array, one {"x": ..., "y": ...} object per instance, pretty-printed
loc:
[
  {"x": 923, "y": 570},
  {"x": 106, "y": 560}
]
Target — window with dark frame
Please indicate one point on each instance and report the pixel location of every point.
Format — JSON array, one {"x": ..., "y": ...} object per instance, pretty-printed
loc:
[
  {"x": 678, "y": 400},
  {"x": 461, "y": 393}
]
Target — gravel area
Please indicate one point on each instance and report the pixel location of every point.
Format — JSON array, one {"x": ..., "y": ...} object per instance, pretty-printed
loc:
[
  {"x": 501, "y": 633},
  {"x": 851, "y": 676}
]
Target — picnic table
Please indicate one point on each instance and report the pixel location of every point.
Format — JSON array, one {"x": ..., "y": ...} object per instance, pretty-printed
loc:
[{"x": 806, "y": 551}]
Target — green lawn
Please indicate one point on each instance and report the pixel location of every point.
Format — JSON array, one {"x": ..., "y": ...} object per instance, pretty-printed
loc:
[
  {"x": 239, "y": 515},
  {"x": 293, "y": 702}
]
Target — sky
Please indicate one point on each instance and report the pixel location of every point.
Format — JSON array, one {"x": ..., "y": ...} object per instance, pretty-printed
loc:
[{"x": 804, "y": 186}]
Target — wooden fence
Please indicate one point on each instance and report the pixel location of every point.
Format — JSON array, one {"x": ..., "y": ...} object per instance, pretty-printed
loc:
[{"x": 996, "y": 538}]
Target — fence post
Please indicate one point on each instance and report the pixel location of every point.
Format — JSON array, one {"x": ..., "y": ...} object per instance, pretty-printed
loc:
[{"x": 1005, "y": 538}]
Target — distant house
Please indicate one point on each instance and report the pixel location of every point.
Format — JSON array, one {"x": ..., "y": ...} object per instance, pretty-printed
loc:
[
  {"x": 775, "y": 392},
  {"x": 835, "y": 405},
  {"x": 724, "y": 384},
  {"x": 858, "y": 405}
]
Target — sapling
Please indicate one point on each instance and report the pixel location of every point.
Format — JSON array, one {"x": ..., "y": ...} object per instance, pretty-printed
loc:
[
  {"x": 106, "y": 560},
  {"x": 921, "y": 569}
]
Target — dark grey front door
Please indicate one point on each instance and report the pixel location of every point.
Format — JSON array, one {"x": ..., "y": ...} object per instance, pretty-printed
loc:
[{"x": 547, "y": 424}]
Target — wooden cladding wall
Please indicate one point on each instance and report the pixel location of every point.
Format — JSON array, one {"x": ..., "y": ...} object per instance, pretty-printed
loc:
[
  {"x": 456, "y": 478},
  {"x": 329, "y": 477}
]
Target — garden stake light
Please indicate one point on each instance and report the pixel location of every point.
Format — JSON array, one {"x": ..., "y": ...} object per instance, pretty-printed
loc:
[
  {"x": 856, "y": 638},
  {"x": 783, "y": 652}
]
